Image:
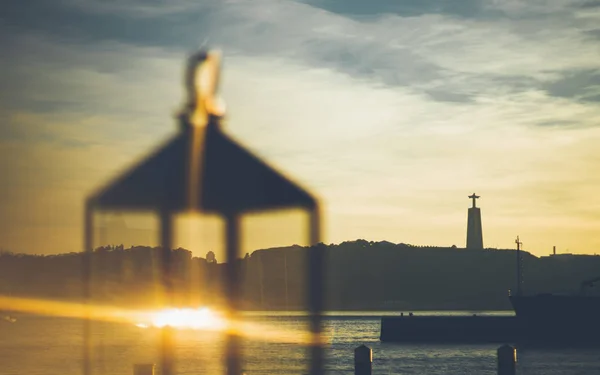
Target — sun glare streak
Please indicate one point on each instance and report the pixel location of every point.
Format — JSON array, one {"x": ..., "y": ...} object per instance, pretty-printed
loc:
[
  {"x": 64, "y": 309},
  {"x": 194, "y": 319},
  {"x": 207, "y": 320},
  {"x": 198, "y": 319}
]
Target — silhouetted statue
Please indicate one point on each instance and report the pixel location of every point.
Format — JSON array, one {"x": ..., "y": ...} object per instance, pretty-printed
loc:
[{"x": 474, "y": 231}]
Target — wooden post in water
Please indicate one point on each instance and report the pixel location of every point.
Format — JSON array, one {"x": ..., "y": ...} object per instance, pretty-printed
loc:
[
  {"x": 143, "y": 369},
  {"x": 507, "y": 360},
  {"x": 363, "y": 360}
]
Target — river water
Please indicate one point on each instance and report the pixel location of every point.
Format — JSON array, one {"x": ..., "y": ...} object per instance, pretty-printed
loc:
[{"x": 53, "y": 346}]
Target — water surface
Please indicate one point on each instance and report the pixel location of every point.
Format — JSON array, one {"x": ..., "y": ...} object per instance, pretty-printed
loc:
[{"x": 53, "y": 346}]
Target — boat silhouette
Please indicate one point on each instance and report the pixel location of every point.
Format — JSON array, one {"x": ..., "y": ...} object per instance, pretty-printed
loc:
[{"x": 563, "y": 319}]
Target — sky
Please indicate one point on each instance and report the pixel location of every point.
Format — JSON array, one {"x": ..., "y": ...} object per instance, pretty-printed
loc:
[{"x": 392, "y": 113}]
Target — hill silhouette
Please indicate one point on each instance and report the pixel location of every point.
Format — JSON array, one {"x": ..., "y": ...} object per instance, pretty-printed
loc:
[{"x": 361, "y": 275}]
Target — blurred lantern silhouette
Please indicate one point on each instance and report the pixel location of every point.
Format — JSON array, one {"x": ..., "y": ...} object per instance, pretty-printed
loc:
[{"x": 202, "y": 170}]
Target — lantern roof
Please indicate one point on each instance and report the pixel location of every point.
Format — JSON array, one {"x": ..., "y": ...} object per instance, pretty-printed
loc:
[{"x": 202, "y": 168}]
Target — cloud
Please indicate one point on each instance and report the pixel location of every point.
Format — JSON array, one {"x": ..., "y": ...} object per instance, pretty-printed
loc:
[
  {"x": 134, "y": 8},
  {"x": 583, "y": 85},
  {"x": 590, "y": 4},
  {"x": 405, "y": 8},
  {"x": 431, "y": 48},
  {"x": 390, "y": 118}
]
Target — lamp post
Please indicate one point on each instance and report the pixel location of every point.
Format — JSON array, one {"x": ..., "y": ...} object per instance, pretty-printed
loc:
[{"x": 201, "y": 169}]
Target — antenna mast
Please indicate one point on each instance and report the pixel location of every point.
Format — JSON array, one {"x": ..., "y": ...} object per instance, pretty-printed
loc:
[{"x": 519, "y": 268}]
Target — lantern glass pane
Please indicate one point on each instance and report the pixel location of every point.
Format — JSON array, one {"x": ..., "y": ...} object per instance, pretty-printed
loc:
[
  {"x": 125, "y": 285},
  {"x": 275, "y": 284}
]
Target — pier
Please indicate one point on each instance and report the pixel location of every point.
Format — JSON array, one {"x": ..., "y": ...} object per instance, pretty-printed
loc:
[
  {"x": 449, "y": 329},
  {"x": 475, "y": 329}
]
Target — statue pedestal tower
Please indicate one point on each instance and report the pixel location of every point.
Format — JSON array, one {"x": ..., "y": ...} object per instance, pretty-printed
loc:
[{"x": 474, "y": 232}]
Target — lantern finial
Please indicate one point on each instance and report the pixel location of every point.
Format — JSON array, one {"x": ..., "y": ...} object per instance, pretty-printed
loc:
[{"x": 202, "y": 82}]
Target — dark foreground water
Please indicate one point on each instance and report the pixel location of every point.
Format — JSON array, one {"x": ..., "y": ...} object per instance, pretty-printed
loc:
[{"x": 52, "y": 346}]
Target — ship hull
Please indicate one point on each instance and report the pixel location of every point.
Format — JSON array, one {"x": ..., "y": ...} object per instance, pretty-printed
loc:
[{"x": 558, "y": 320}]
